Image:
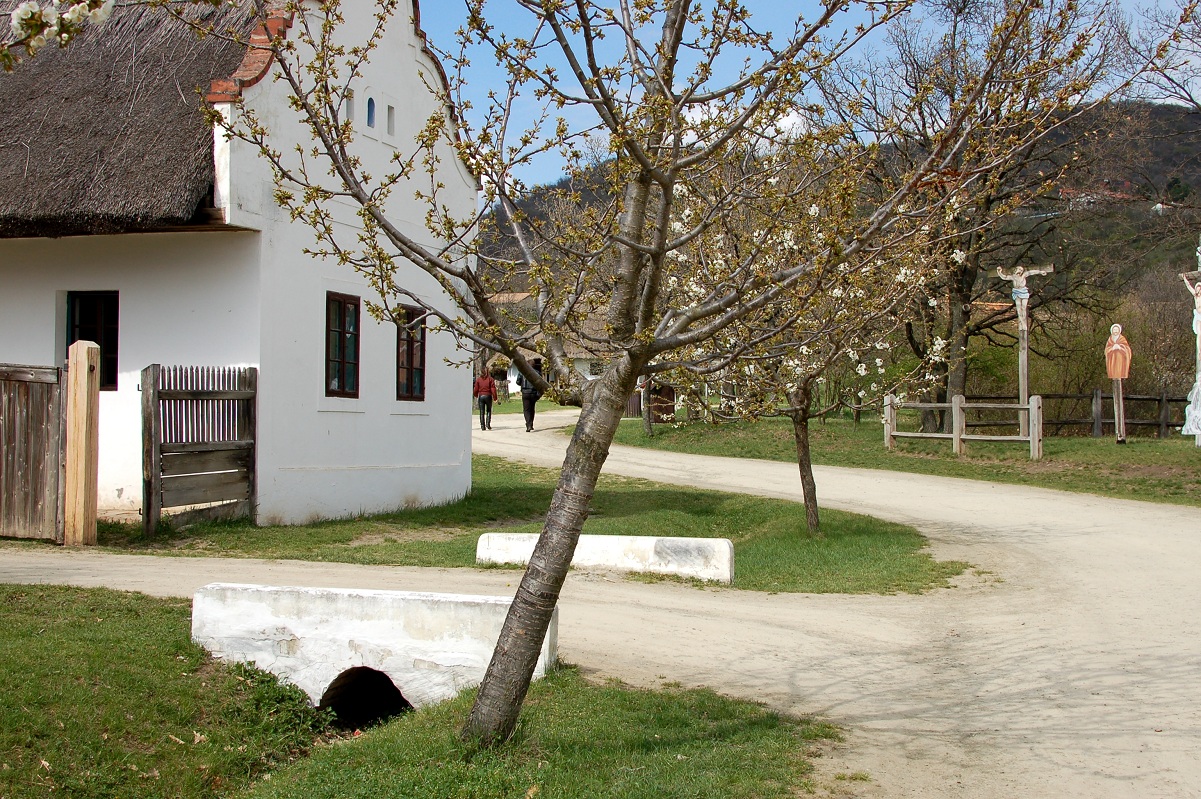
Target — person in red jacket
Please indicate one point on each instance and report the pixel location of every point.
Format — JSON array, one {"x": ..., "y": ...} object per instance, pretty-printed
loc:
[{"x": 484, "y": 391}]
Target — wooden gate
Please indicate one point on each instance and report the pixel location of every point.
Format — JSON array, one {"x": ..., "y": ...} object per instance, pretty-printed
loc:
[
  {"x": 32, "y": 446},
  {"x": 198, "y": 440}
]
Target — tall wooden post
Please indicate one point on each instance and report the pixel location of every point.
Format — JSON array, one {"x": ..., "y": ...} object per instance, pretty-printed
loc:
[
  {"x": 958, "y": 424},
  {"x": 1119, "y": 412},
  {"x": 890, "y": 422},
  {"x": 83, "y": 443},
  {"x": 1036, "y": 428},
  {"x": 1023, "y": 378},
  {"x": 152, "y": 437}
]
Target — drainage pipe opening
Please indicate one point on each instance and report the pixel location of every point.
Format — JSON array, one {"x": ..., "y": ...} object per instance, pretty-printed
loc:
[{"x": 363, "y": 696}]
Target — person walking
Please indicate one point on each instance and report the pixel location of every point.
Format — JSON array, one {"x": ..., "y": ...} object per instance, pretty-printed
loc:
[
  {"x": 484, "y": 391},
  {"x": 530, "y": 394}
]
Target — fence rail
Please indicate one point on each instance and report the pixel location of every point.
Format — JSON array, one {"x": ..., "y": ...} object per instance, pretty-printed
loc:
[{"x": 959, "y": 435}]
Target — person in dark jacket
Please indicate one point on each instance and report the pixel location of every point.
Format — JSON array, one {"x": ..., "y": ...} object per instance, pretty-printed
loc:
[
  {"x": 530, "y": 394},
  {"x": 484, "y": 391}
]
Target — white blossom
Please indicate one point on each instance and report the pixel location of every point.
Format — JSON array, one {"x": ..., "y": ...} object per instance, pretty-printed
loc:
[
  {"x": 814, "y": 210},
  {"x": 861, "y": 369},
  {"x": 101, "y": 14},
  {"x": 959, "y": 256}
]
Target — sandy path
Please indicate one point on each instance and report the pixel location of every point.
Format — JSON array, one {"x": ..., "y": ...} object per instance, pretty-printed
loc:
[{"x": 1073, "y": 670}]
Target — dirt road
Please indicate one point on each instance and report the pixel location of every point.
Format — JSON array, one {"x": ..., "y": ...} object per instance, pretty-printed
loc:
[{"x": 1070, "y": 668}]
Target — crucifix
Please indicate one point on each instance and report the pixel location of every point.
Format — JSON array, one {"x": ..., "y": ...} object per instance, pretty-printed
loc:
[
  {"x": 1021, "y": 300},
  {"x": 1192, "y": 411}
]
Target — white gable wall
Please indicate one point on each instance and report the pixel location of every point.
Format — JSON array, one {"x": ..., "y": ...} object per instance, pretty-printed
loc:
[
  {"x": 185, "y": 298},
  {"x": 325, "y": 456}
]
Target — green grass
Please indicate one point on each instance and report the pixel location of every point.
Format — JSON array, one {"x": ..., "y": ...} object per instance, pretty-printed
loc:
[
  {"x": 1157, "y": 470},
  {"x": 772, "y": 552},
  {"x": 102, "y": 694},
  {"x": 575, "y": 740}
]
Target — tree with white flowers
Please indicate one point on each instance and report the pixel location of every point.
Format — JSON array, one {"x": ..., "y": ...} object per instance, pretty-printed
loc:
[{"x": 33, "y": 25}]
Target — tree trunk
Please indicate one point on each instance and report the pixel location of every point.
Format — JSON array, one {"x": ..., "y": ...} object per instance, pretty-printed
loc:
[
  {"x": 493, "y": 717},
  {"x": 936, "y": 392},
  {"x": 648, "y": 414},
  {"x": 800, "y": 432},
  {"x": 961, "y": 312}
]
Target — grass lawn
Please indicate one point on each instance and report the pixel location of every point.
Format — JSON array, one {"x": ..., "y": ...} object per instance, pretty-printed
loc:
[
  {"x": 574, "y": 740},
  {"x": 103, "y": 694},
  {"x": 513, "y": 405},
  {"x": 1158, "y": 470},
  {"x": 858, "y": 554}
]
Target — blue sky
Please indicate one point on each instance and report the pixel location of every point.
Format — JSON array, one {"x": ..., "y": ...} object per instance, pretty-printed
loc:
[{"x": 442, "y": 19}]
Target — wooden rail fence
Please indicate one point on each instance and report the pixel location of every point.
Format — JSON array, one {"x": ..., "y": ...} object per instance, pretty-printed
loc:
[
  {"x": 959, "y": 435},
  {"x": 198, "y": 440},
  {"x": 1165, "y": 419}
]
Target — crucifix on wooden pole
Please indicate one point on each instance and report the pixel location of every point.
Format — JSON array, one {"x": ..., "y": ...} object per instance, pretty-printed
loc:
[
  {"x": 1021, "y": 301},
  {"x": 1192, "y": 411}
]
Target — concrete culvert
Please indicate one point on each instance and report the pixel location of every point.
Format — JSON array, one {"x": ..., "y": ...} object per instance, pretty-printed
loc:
[{"x": 362, "y": 696}]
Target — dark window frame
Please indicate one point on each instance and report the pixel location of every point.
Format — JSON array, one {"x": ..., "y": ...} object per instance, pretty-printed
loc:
[
  {"x": 100, "y": 323},
  {"x": 343, "y": 364},
  {"x": 411, "y": 369}
]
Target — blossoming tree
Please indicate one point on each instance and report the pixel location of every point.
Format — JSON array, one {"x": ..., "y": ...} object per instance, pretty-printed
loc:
[{"x": 934, "y": 58}]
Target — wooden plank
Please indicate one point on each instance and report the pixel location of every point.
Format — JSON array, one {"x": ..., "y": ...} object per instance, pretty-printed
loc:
[
  {"x": 897, "y": 434},
  {"x": 993, "y": 406},
  {"x": 924, "y": 406},
  {"x": 29, "y": 374},
  {"x": 994, "y": 438},
  {"x": 195, "y": 489},
  {"x": 83, "y": 443},
  {"x": 206, "y": 446},
  {"x": 224, "y": 460},
  {"x": 246, "y": 425},
  {"x": 152, "y": 436}
]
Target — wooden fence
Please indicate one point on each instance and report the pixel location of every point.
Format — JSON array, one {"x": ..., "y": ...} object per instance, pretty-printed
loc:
[
  {"x": 198, "y": 440},
  {"x": 49, "y": 438},
  {"x": 1100, "y": 408},
  {"x": 959, "y": 425},
  {"x": 32, "y": 447}
]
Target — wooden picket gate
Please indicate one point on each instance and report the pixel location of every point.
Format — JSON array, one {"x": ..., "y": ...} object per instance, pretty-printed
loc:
[
  {"x": 198, "y": 440},
  {"x": 32, "y": 450}
]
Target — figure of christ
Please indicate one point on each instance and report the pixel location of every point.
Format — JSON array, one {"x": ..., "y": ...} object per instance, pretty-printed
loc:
[
  {"x": 1021, "y": 292},
  {"x": 1192, "y": 411},
  {"x": 1194, "y": 288}
]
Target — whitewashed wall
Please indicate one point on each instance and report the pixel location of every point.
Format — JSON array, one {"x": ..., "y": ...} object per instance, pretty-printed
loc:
[
  {"x": 185, "y": 298},
  {"x": 324, "y": 456}
]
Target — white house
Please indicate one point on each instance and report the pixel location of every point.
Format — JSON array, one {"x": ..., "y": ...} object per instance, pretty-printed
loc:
[{"x": 127, "y": 219}]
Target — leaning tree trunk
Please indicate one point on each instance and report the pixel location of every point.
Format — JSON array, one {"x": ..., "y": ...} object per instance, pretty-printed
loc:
[
  {"x": 493, "y": 717},
  {"x": 800, "y": 432}
]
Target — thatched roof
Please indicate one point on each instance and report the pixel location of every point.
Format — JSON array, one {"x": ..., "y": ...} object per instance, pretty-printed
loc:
[{"x": 107, "y": 135}]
